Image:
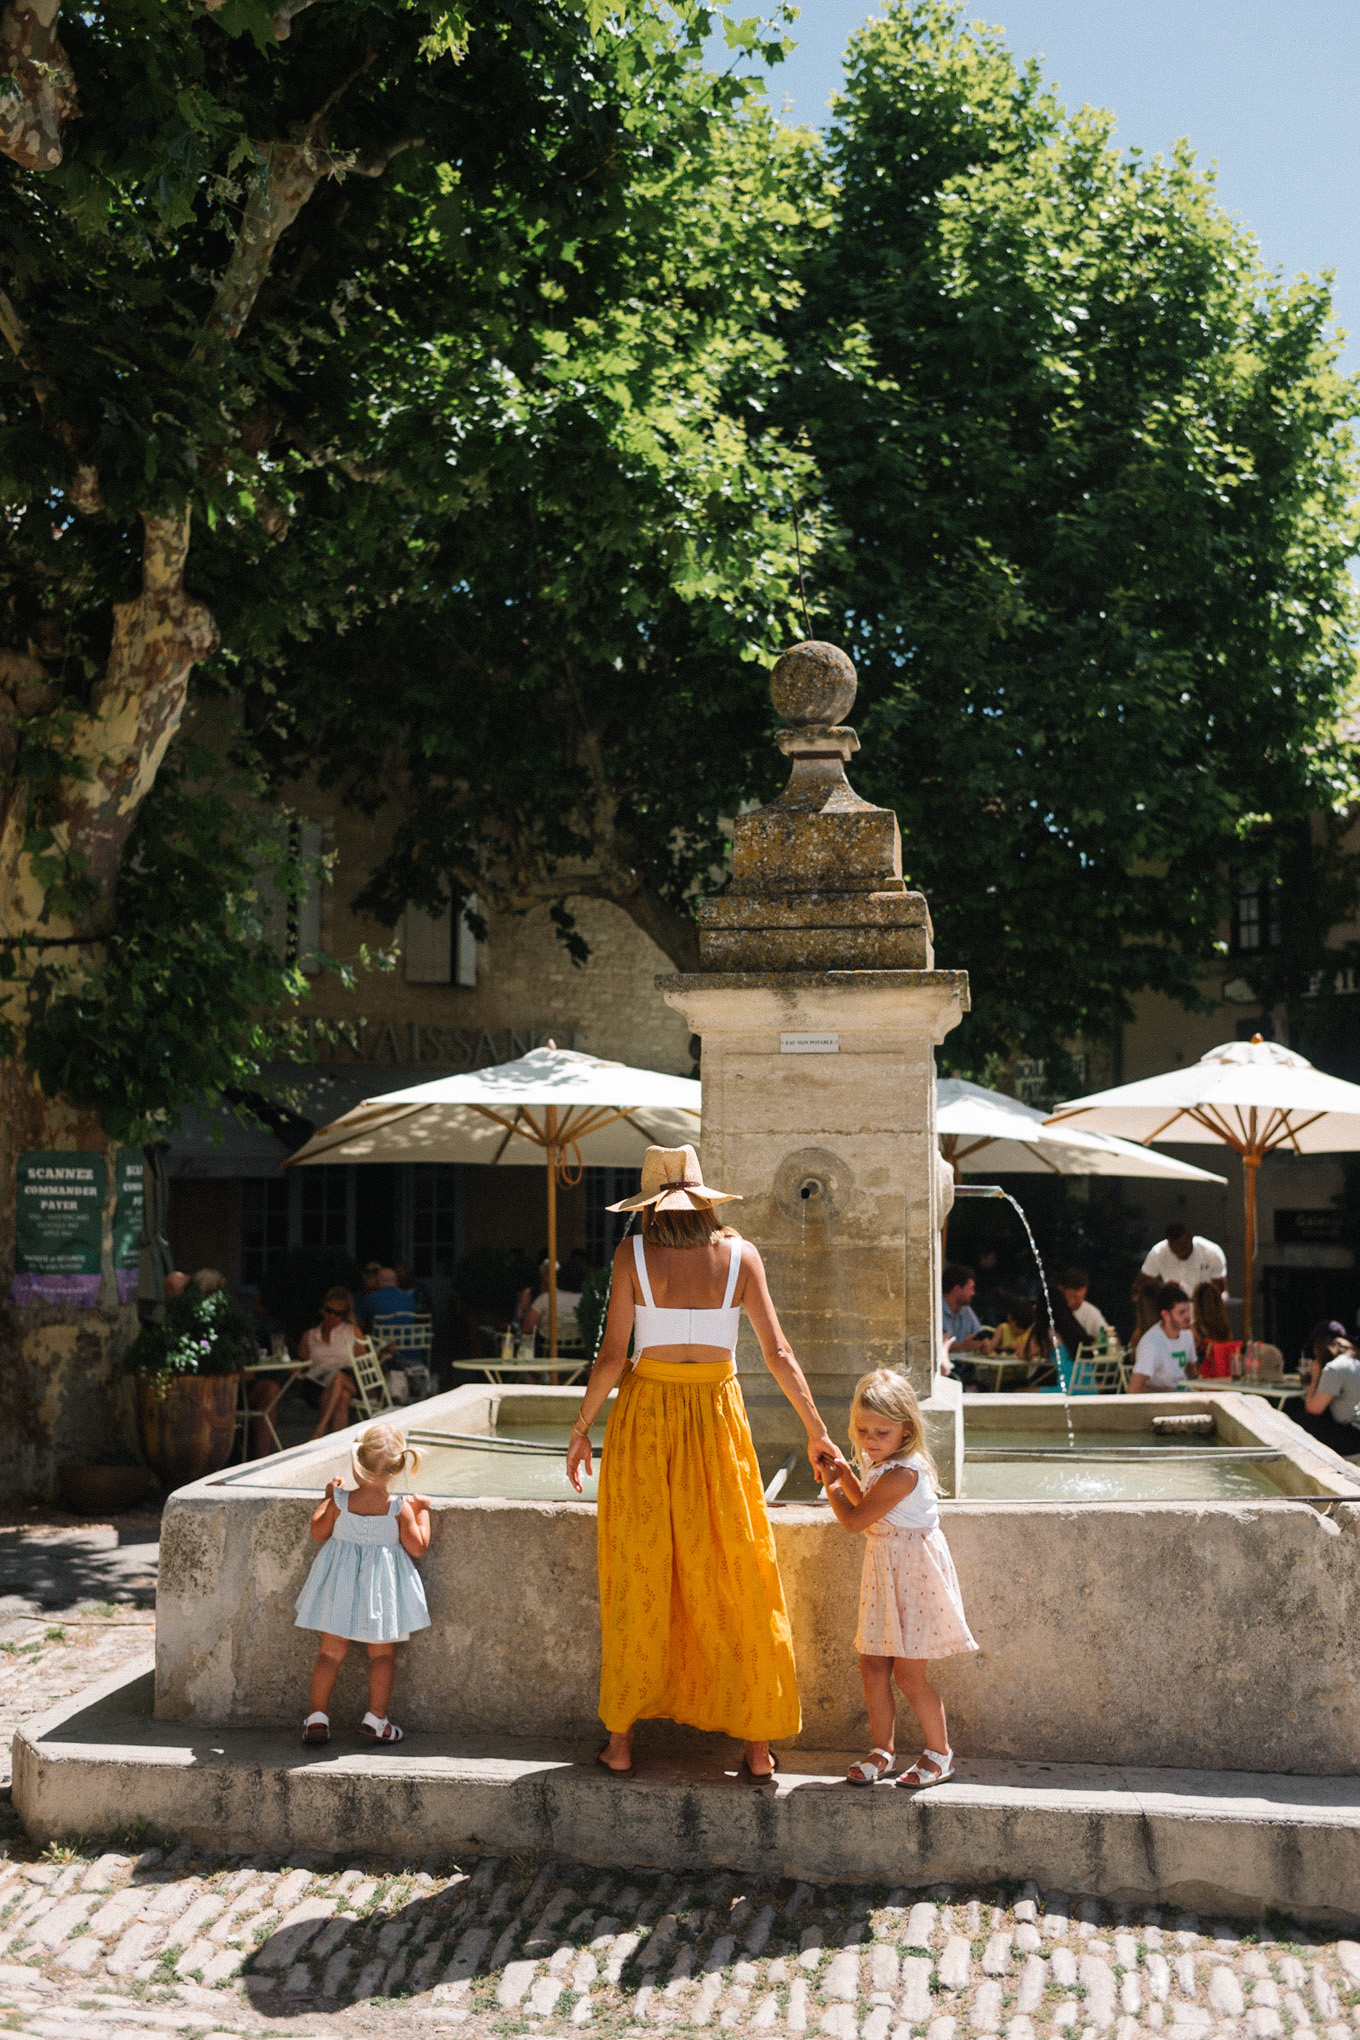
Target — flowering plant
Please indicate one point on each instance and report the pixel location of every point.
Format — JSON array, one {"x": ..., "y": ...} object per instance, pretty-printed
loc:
[{"x": 201, "y": 1335}]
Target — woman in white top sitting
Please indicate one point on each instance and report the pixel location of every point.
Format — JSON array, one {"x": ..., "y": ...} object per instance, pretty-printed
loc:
[
  {"x": 328, "y": 1385},
  {"x": 692, "y": 1615}
]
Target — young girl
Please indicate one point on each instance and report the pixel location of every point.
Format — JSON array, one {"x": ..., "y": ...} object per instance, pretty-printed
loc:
[
  {"x": 363, "y": 1586},
  {"x": 910, "y": 1608}
]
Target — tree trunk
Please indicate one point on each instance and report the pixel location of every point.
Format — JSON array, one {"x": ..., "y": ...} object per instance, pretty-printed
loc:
[
  {"x": 64, "y": 1400},
  {"x": 61, "y": 1392}
]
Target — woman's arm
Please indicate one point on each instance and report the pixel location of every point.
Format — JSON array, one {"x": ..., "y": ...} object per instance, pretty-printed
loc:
[
  {"x": 610, "y": 1363},
  {"x": 896, "y": 1484},
  {"x": 326, "y": 1515},
  {"x": 1313, "y": 1401},
  {"x": 413, "y": 1525},
  {"x": 754, "y": 1294}
]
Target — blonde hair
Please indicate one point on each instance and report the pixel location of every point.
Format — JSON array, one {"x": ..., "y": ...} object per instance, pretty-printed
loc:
[
  {"x": 697, "y": 1228},
  {"x": 380, "y": 1453},
  {"x": 886, "y": 1393}
]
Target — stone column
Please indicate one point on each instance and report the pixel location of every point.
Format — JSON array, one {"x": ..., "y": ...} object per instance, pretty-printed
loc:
[{"x": 819, "y": 1010}]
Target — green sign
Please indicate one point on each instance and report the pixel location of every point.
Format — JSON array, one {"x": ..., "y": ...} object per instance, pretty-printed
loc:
[
  {"x": 127, "y": 1217},
  {"x": 60, "y": 1213}
]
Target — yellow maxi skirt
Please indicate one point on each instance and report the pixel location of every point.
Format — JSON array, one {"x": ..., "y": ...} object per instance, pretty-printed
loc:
[{"x": 692, "y": 1615}]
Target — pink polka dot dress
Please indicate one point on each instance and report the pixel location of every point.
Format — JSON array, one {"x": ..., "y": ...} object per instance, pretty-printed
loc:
[{"x": 909, "y": 1600}]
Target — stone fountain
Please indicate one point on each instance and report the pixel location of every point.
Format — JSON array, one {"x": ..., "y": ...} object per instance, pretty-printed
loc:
[
  {"x": 820, "y": 1009},
  {"x": 1165, "y": 1634}
]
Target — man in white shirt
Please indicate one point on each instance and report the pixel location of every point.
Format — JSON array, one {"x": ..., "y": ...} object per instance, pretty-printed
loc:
[
  {"x": 1166, "y": 1353},
  {"x": 1186, "y": 1258},
  {"x": 1074, "y": 1284}
]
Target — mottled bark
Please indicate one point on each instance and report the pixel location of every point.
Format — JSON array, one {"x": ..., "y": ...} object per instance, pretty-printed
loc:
[{"x": 37, "y": 88}]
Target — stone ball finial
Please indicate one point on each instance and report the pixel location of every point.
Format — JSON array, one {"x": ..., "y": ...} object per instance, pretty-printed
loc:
[{"x": 813, "y": 683}]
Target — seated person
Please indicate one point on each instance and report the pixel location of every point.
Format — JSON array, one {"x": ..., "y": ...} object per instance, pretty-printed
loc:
[
  {"x": 1074, "y": 1283},
  {"x": 1165, "y": 1356},
  {"x": 1329, "y": 1410},
  {"x": 1214, "y": 1342},
  {"x": 535, "y": 1319},
  {"x": 1014, "y": 1336},
  {"x": 388, "y": 1300},
  {"x": 963, "y": 1331},
  {"x": 961, "y": 1327},
  {"x": 328, "y": 1385}
]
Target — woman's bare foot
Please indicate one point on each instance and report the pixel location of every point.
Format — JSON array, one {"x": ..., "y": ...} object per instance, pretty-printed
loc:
[
  {"x": 759, "y": 1762},
  {"x": 617, "y": 1754}
]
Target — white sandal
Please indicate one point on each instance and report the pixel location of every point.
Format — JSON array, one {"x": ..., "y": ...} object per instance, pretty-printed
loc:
[
  {"x": 942, "y": 1767},
  {"x": 316, "y": 1728},
  {"x": 870, "y": 1772},
  {"x": 375, "y": 1730}
]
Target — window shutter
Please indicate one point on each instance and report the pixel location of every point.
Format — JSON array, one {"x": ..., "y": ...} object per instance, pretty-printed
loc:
[
  {"x": 465, "y": 959},
  {"x": 429, "y": 947}
]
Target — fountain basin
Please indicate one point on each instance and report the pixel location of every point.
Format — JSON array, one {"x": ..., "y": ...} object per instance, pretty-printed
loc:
[{"x": 1112, "y": 1631}]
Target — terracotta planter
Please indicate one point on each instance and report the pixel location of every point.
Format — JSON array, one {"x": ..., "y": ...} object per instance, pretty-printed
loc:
[
  {"x": 103, "y": 1490},
  {"x": 187, "y": 1422}
]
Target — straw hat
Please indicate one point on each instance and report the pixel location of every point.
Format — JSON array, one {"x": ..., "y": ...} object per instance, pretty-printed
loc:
[{"x": 672, "y": 1182}]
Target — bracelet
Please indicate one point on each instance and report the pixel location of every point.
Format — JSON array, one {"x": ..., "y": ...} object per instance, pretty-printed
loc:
[{"x": 580, "y": 1429}]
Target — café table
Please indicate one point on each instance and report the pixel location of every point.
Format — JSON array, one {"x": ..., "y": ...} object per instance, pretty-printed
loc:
[
  {"x": 247, "y": 1414},
  {"x": 568, "y": 1367},
  {"x": 1277, "y": 1390}
]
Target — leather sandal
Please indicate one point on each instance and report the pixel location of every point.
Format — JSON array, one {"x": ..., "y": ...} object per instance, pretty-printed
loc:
[
  {"x": 614, "y": 1770},
  {"x": 942, "y": 1767},
  {"x": 869, "y": 1771},
  {"x": 761, "y": 1777},
  {"x": 383, "y": 1731}
]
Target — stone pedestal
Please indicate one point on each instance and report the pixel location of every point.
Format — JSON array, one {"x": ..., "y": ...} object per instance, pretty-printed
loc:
[
  {"x": 819, "y": 1009},
  {"x": 835, "y": 1156}
]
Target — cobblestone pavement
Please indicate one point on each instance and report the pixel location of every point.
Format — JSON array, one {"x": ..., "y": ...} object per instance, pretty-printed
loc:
[
  {"x": 128, "y": 1946},
  {"x": 76, "y": 1603}
]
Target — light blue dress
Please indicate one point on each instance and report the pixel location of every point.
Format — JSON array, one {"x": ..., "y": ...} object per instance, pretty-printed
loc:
[{"x": 363, "y": 1584}]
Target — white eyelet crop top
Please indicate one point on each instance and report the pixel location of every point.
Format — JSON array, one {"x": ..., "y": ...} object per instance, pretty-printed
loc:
[{"x": 653, "y": 1327}]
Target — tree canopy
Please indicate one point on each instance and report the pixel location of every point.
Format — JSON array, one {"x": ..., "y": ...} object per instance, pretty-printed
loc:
[
  {"x": 505, "y": 360},
  {"x": 1092, "y": 480},
  {"x": 233, "y": 236}
]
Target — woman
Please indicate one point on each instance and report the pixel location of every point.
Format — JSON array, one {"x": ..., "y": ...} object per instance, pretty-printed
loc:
[
  {"x": 1330, "y": 1404},
  {"x": 1215, "y": 1345},
  {"x": 328, "y": 1384},
  {"x": 692, "y": 1616}
]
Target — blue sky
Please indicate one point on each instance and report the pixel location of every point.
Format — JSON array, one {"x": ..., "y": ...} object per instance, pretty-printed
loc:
[{"x": 1270, "y": 89}]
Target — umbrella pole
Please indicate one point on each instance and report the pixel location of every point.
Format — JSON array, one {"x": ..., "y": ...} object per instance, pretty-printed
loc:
[
  {"x": 1251, "y": 1162},
  {"x": 552, "y": 1154}
]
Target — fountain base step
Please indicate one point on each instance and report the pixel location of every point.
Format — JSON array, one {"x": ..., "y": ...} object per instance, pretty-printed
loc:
[{"x": 1222, "y": 1841}]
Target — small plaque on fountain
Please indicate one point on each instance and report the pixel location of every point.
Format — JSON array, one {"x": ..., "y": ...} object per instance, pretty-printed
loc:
[{"x": 809, "y": 1044}]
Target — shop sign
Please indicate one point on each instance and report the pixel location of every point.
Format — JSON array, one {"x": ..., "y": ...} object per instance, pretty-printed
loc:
[
  {"x": 59, "y": 1221},
  {"x": 1310, "y": 1228},
  {"x": 127, "y": 1216}
]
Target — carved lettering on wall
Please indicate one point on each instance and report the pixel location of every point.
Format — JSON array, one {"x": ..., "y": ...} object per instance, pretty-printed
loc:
[{"x": 406, "y": 1044}]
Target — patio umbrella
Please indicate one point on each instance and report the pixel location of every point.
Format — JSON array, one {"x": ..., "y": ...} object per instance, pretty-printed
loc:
[
  {"x": 981, "y": 1130},
  {"x": 1251, "y": 1096},
  {"x": 555, "y": 1105}
]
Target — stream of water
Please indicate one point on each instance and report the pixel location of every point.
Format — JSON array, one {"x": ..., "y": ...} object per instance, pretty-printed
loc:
[{"x": 995, "y": 1190}]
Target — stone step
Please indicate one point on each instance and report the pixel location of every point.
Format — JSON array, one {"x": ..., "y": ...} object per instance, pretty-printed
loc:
[{"x": 1233, "y": 1842}]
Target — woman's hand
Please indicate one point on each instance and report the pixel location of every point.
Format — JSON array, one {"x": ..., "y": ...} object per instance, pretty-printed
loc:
[
  {"x": 823, "y": 1454},
  {"x": 578, "y": 1460}
]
